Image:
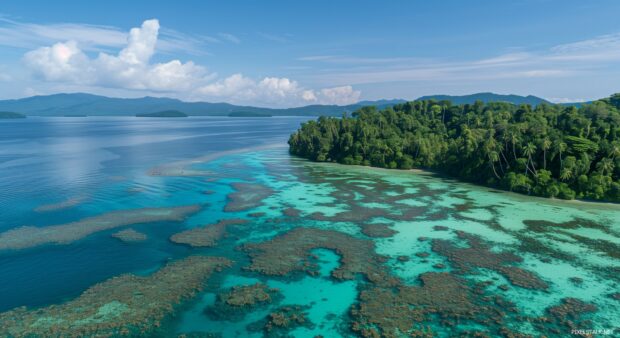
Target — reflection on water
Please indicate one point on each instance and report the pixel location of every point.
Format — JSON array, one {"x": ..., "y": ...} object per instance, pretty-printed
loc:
[{"x": 335, "y": 250}]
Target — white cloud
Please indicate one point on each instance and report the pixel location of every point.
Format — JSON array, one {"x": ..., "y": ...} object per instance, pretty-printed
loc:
[
  {"x": 131, "y": 69},
  {"x": 276, "y": 91}
]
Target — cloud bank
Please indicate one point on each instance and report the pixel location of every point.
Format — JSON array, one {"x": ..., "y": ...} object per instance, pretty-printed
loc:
[{"x": 132, "y": 68}]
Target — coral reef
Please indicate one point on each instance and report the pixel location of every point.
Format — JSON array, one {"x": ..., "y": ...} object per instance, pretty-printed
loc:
[
  {"x": 205, "y": 236},
  {"x": 407, "y": 310},
  {"x": 129, "y": 235},
  {"x": 479, "y": 255},
  {"x": 289, "y": 252},
  {"x": 68, "y": 203},
  {"x": 377, "y": 230},
  {"x": 246, "y": 196},
  {"x": 29, "y": 236},
  {"x": 248, "y": 295},
  {"x": 286, "y": 317},
  {"x": 123, "y": 305},
  {"x": 235, "y": 303}
]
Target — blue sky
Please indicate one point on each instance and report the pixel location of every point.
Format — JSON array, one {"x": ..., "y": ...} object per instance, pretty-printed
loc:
[{"x": 285, "y": 53}]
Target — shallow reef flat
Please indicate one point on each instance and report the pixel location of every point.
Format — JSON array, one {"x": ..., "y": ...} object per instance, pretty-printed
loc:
[
  {"x": 29, "y": 236},
  {"x": 345, "y": 251},
  {"x": 68, "y": 203},
  {"x": 123, "y": 305},
  {"x": 247, "y": 196},
  {"x": 205, "y": 236}
]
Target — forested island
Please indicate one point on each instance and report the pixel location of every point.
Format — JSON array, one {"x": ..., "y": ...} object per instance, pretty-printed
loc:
[
  {"x": 164, "y": 113},
  {"x": 11, "y": 115},
  {"x": 550, "y": 150}
]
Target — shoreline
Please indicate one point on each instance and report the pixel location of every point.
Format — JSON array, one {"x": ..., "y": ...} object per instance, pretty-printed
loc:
[{"x": 424, "y": 172}]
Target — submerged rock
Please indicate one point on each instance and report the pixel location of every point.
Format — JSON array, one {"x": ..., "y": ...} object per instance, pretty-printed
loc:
[{"x": 123, "y": 305}]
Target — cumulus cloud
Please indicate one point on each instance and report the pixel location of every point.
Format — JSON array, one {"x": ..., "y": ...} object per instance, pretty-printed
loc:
[
  {"x": 279, "y": 91},
  {"x": 132, "y": 69}
]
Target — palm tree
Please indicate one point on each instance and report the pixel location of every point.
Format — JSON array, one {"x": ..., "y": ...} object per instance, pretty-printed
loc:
[
  {"x": 605, "y": 165},
  {"x": 566, "y": 174},
  {"x": 528, "y": 151},
  {"x": 494, "y": 157},
  {"x": 546, "y": 144},
  {"x": 561, "y": 147},
  {"x": 514, "y": 138},
  {"x": 615, "y": 151}
]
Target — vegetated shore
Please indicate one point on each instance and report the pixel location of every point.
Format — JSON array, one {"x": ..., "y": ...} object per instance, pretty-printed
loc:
[{"x": 547, "y": 150}]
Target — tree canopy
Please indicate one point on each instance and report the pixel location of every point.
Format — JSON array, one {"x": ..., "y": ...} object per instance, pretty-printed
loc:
[{"x": 548, "y": 150}]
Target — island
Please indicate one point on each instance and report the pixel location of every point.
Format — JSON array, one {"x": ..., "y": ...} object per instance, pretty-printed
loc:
[
  {"x": 548, "y": 150},
  {"x": 248, "y": 114},
  {"x": 11, "y": 115},
  {"x": 164, "y": 113}
]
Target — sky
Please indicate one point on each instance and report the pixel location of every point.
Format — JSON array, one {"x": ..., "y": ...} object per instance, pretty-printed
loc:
[{"x": 294, "y": 53}]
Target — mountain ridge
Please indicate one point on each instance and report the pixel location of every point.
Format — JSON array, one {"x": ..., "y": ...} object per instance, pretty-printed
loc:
[{"x": 96, "y": 105}]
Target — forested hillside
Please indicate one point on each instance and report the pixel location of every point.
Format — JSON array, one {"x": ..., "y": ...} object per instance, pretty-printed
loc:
[{"x": 549, "y": 150}]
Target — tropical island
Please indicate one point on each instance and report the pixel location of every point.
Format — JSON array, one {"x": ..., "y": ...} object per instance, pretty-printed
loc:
[
  {"x": 11, "y": 115},
  {"x": 547, "y": 150},
  {"x": 164, "y": 113}
]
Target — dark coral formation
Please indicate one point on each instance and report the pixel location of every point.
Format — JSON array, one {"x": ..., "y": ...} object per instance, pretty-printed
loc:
[
  {"x": 377, "y": 230},
  {"x": 123, "y": 305},
  {"x": 571, "y": 314},
  {"x": 246, "y": 196},
  {"x": 286, "y": 317},
  {"x": 248, "y": 295},
  {"x": 235, "y": 303},
  {"x": 290, "y": 252},
  {"x": 206, "y": 236},
  {"x": 28, "y": 236},
  {"x": 129, "y": 236},
  {"x": 479, "y": 255},
  {"x": 407, "y": 310},
  {"x": 291, "y": 212},
  {"x": 606, "y": 247}
]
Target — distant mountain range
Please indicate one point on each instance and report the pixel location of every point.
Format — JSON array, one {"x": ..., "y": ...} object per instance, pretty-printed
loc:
[
  {"x": 79, "y": 104},
  {"x": 488, "y": 97}
]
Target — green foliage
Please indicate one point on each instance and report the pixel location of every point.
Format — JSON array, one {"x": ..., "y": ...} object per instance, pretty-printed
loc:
[{"x": 548, "y": 150}]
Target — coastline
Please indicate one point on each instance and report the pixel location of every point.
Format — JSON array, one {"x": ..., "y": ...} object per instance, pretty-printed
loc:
[{"x": 515, "y": 195}]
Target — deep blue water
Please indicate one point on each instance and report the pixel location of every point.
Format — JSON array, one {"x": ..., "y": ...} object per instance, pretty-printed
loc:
[{"x": 104, "y": 162}]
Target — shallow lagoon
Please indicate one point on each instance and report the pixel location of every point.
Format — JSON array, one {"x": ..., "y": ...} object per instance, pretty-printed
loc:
[{"x": 523, "y": 264}]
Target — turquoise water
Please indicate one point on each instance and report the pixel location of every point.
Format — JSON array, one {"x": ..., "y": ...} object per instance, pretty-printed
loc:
[{"x": 55, "y": 171}]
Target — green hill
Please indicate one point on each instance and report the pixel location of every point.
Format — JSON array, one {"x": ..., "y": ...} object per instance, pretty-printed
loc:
[{"x": 11, "y": 115}]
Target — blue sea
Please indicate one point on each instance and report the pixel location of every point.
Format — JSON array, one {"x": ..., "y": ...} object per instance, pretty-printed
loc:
[{"x": 69, "y": 178}]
